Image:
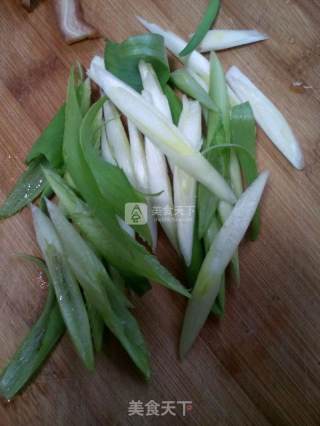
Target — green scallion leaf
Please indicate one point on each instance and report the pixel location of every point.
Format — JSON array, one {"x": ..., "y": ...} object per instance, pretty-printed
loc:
[
  {"x": 197, "y": 256},
  {"x": 174, "y": 103},
  {"x": 118, "y": 249},
  {"x": 219, "y": 303},
  {"x": 122, "y": 59},
  {"x": 36, "y": 347},
  {"x": 96, "y": 324},
  {"x": 49, "y": 143},
  {"x": 204, "y": 26},
  {"x": 107, "y": 298},
  {"x": 71, "y": 304},
  {"x": 243, "y": 133},
  {"x": 27, "y": 188},
  {"x": 221, "y": 251},
  {"x": 212, "y": 231},
  {"x": 111, "y": 180},
  {"x": 185, "y": 82},
  {"x": 67, "y": 289}
]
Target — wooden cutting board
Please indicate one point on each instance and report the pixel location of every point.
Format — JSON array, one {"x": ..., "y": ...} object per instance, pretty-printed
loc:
[{"x": 258, "y": 365}]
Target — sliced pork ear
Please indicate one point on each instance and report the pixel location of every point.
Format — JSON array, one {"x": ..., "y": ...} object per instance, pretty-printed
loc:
[
  {"x": 71, "y": 22},
  {"x": 29, "y": 5}
]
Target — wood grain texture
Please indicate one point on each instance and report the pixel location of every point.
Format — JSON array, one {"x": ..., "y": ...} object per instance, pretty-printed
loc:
[{"x": 259, "y": 365}]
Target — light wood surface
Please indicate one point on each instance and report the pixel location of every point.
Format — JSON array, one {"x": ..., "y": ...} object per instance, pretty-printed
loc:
[{"x": 259, "y": 365}]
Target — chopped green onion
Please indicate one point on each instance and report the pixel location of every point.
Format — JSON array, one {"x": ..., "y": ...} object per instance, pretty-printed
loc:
[
  {"x": 207, "y": 205},
  {"x": 175, "y": 44},
  {"x": 84, "y": 95},
  {"x": 195, "y": 62},
  {"x": 127, "y": 228},
  {"x": 127, "y": 255},
  {"x": 120, "y": 192},
  {"x": 233, "y": 99},
  {"x": 185, "y": 82},
  {"x": 160, "y": 184},
  {"x": 235, "y": 172},
  {"x": 35, "y": 348},
  {"x": 107, "y": 298},
  {"x": 76, "y": 163},
  {"x": 219, "y": 304},
  {"x": 140, "y": 166},
  {"x": 203, "y": 83},
  {"x": 205, "y": 24},
  {"x": 193, "y": 269},
  {"x": 105, "y": 147},
  {"x": 184, "y": 185},
  {"x": 218, "y": 132},
  {"x": 138, "y": 156},
  {"x": 219, "y": 94},
  {"x": 118, "y": 140},
  {"x": 122, "y": 59},
  {"x": 152, "y": 85},
  {"x": 211, "y": 233},
  {"x": 224, "y": 210},
  {"x": 156, "y": 162},
  {"x": 174, "y": 103},
  {"x": 160, "y": 131},
  {"x": 226, "y": 39},
  {"x": 222, "y": 249},
  {"x": 27, "y": 188},
  {"x": 268, "y": 116},
  {"x": 96, "y": 325},
  {"x": 243, "y": 132},
  {"x": 67, "y": 290},
  {"x": 78, "y": 250},
  {"x": 49, "y": 143}
]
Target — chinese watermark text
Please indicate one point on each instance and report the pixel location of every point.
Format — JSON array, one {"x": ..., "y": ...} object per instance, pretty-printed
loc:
[{"x": 163, "y": 408}]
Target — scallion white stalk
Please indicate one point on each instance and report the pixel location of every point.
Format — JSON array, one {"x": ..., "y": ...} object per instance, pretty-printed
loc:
[
  {"x": 195, "y": 62},
  {"x": 175, "y": 44},
  {"x": 268, "y": 116},
  {"x": 184, "y": 185},
  {"x": 156, "y": 162},
  {"x": 161, "y": 204},
  {"x": 235, "y": 174},
  {"x": 226, "y": 39},
  {"x": 118, "y": 140},
  {"x": 105, "y": 147},
  {"x": 160, "y": 131},
  {"x": 46, "y": 235},
  {"x": 224, "y": 210},
  {"x": 221, "y": 251},
  {"x": 139, "y": 161},
  {"x": 138, "y": 157},
  {"x": 204, "y": 85},
  {"x": 152, "y": 85}
]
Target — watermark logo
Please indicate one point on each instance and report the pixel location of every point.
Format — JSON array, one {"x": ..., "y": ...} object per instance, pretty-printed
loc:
[
  {"x": 163, "y": 408},
  {"x": 136, "y": 213}
]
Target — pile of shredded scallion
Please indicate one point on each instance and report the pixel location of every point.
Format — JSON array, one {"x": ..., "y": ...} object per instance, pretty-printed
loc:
[{"x": 177, "y": 145}]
